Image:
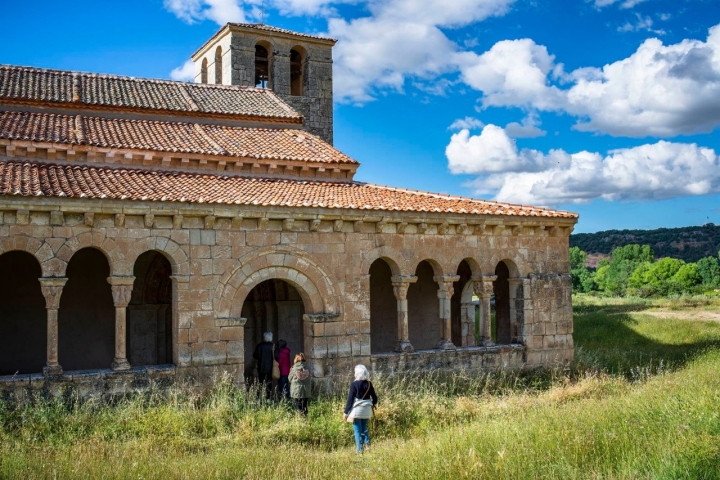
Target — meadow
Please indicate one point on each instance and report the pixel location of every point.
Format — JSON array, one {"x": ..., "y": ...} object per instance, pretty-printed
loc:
[{"x": 641, "y": 400}]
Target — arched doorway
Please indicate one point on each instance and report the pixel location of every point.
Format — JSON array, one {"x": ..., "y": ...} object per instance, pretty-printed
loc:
[
  {"x": 383, "y": 309},
  {"x": 86, "y": 320},
  {"x": 462, "y": 308},
  {"x": 149, "y": 314},
  {"x": 273, "y": 306},
  {"x": 501, "y": 289},
  {"x": 23, "y": 318},
  {"x": 424, "y": 309}
]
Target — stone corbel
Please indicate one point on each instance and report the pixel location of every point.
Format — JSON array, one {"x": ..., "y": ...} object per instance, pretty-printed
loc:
[
  {"x": 149, "y": 220},
  {"x": 88, "y": 219},
  {"x": 119, "y": 219},
  {"x": 401, "y": 227},
  {"x": 379, "y": 226},
  {"x": 337, "y": 225},
  {"x": 461, "y": 229},
  {"x": 357, "y": 226},
  {"x": 315, "y": 225},
  {"x": 209, "y": 222},
  {"x": 288, "y": 224},
  {"x": 422, "y": 227},
  {"x": 57, "y": 218},
  {"x": 236, "y": 222},
  {"x": 443, "y": 228},
  {"x": 262, "y": 223}
]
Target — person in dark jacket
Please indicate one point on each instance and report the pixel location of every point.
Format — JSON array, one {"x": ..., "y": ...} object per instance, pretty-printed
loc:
[
  {"x": 263, "y": 355},
  {"x": 282, "y": 355},
  {"x": 360, "y": 402},
  {"x": 300, "y": 384}
]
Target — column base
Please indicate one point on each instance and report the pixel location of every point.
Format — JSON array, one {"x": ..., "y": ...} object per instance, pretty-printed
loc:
[
  {"x": 446, "y": 345},
  {"x": 120, "y": 365},
  {"x": 405, "y": 347},
  {"x": 487, "y": 343},
  {"x": 51, "y": 370}
]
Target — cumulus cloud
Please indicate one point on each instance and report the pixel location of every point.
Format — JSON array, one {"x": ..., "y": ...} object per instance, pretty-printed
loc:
[
  {"x": 219, "y": 11},
  {"x": 648, "y": 172},
  {"x": 468, "y": 123},
  {"x": 527, "y": 128},
  {"x": 641, "y": 23},
  {"x": 401, "y": 39},
  {"x": 513, "y": 73},
  {"x": 184, "y": 73},
  {"x": 660, "y": 90}
]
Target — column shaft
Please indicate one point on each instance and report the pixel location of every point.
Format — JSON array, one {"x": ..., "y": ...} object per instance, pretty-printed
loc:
[
  {"x": 400, "y": 287},
  {"x": 445, "y": 291},
  {"x": 483, "y": 287},
  {"x": 52, "y": 290},
  {"x": 121, "y": 291}
]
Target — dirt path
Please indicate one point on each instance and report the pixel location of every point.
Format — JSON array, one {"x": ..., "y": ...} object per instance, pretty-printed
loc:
[{"x": 700, "y": 315}]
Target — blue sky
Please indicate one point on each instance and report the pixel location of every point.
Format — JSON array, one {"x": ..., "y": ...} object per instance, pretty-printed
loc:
[{"x": 609, "y": 108}]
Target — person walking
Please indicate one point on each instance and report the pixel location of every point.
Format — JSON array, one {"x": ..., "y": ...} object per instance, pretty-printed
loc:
[
  {"x": 300, "y": 384},
  {"x": 282, "y": 355},
  {"x": 263, "y": 354},
  {"x": 359, "y": 407}
]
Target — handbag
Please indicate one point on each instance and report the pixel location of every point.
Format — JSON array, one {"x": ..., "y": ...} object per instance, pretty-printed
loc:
[
  {"x": 357, "y": 403},
  {"x": 275, "y": 367}
]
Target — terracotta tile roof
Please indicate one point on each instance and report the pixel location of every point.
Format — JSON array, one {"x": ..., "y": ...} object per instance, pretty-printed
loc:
[
  {"x": 87, "y": 90},
  {"x": 39, "y": 179},
  {"x": 269, "y": 28},
  {"x": 261, "y": 143}
]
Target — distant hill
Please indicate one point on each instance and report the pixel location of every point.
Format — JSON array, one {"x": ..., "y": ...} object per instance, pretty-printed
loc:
[{"x": 687, "y": 243}]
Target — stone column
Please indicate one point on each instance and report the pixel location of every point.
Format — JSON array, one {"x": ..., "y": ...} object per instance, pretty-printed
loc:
[
  {"x": 400, "y": 284},
  {"x": 445, "y": 292},
  {"x": 519, "y": 292},
  {"x": 121, "y": 291},
  {"x": 52, "y": 290},
  {"x": 483, "y": 287}
]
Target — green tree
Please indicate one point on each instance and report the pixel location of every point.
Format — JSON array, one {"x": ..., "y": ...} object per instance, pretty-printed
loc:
[
  {"x": 687, "y": 277},
  {"x": 578, "y": 258},
  {"x": 657, "y": 278},
  {"x": 709, "y": 271},
  {"x": 637, "y": 279},
  {"x": 633, "y": 253}
]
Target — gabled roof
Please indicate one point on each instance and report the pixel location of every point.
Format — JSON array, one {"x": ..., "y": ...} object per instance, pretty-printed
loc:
[
  {"x": 180, "y": 137},
  {"x": 271, "y": 29},
  {"x": 77, "y": 90},
  {"x": 49, "y": 180}
]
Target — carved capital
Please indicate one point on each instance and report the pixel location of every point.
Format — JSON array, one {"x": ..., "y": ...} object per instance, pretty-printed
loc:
[
  {"x": 52, "y": 290},
  {"x": 121, "y": 288},
  {"x": 445, "y": 285},
  {"x": 401, "y": 283},
  {"x": 483, "y": 285}
]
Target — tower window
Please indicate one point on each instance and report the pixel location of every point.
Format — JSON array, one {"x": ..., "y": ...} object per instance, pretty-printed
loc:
[
  {"x": 296, "y": 71},
  {"x": 262, "y": 67},
  {"x": 203, "y": 71},
  {"x": 218, "y": 66}
]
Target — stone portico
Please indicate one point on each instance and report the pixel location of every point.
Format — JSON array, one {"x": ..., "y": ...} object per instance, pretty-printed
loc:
[{"x": 145, "y": 245}]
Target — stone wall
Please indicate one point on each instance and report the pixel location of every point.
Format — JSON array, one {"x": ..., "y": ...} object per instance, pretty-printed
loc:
[{"x": 218, "y": 254}]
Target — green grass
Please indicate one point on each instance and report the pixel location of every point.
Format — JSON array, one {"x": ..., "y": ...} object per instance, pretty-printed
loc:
[{"x": 642, "y": 400}]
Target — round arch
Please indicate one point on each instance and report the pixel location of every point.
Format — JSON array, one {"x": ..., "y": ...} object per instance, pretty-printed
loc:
[
  {"x": 168, "y": 248},
  {"x": 119, "y": 266},
  {"x": 516, "y": 270},
  {"x": 388, "y": 255},
  {"x": 309, "y": 279}
]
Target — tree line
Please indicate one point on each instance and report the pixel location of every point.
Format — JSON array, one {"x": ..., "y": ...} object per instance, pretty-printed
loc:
[
  {"x": 689, "y": 244},
  {"x": 633, "y": 270}
]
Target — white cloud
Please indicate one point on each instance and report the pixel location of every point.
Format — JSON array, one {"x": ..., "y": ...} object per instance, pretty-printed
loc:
[
  {"x": 400, "y": 39},
  {"x": 219, "y": 11},
  {"x": 310, "y": 7},
  {"x": 641, "y": 24},
  {"x": 184, "y": 73},
  {"x": 660, "y": 90},
  {"x": 527, "y": 128},
  {"x": 513, "y": 72},
  {"x": 625, "y": 4},
  {"x": 493, "y": 151},
  {"x": 648, "y": 172},
  {"x": 467, "y": 123}
]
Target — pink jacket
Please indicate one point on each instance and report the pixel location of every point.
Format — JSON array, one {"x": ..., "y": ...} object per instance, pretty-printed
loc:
[{"x": 284, "y": 361}]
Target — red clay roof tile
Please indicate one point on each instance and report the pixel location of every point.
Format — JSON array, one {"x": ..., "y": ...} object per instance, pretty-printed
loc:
[
  {"x": 39, "y": 179},
  {"x": 262, "y": 143}
]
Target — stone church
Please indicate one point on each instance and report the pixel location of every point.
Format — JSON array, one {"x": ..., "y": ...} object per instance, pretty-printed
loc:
[{"x": 151, "y": 231}]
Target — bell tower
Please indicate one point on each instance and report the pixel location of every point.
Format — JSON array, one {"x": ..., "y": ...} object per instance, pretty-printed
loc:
[{"x": 295, "y": 66}]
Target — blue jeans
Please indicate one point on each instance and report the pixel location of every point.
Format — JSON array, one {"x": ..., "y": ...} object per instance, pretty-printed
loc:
[
  {"x": 284, "y": 387},
  {"x": 362, "y": 437}
]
